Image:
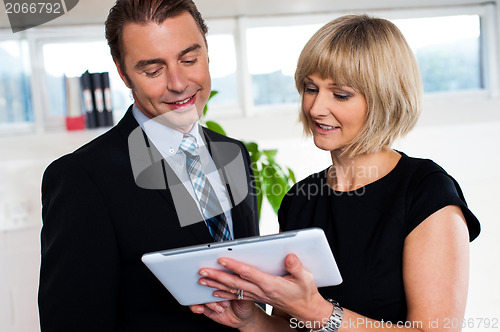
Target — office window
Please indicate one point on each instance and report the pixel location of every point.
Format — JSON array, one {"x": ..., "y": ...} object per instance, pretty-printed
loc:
[
  {"x": 15, "y": 85},
  {"x": 222, "y": 54},
  {"x": 272, "y": 59},
  {"x": 73, "y": 59},
  {"x": 448, "y": 51}
]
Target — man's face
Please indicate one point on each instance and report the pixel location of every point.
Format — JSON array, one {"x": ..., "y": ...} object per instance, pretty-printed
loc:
[{"x": 166, "y": 66}]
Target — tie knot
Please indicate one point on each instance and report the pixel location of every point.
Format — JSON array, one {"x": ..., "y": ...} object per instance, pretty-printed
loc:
[{"x": 188, "y": 143}]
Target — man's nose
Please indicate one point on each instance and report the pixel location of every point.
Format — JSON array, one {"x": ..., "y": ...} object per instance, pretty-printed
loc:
[{"x": 176, "y": 80}]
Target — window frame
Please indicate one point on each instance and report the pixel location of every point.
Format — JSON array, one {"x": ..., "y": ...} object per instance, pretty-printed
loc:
[
  {"x": 245, "y": 23},
  {"x": 19, "y": 127},
  {"x": 488, "y": 40},
  {"x": 228, "y": 26}
]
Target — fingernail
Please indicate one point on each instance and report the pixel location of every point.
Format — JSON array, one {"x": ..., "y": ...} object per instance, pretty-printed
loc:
[
  {"x": 292, "y": 260},
  {"x": 222, "y": 262},
  {"x": 204, "y": 273},
  {"x": 202, "y": 282},
  {"x": 219, "y": 309}
]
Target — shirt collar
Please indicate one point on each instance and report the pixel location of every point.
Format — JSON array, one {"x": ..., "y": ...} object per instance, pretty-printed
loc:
[{"x": 166, "y": 139}]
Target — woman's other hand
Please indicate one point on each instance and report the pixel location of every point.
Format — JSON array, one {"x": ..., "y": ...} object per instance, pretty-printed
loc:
[
  {"x": 235, "y": 314},
  {"x": 295, "y": 293}
]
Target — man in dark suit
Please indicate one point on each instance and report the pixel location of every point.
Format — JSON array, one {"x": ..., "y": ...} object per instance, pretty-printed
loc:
[{"x": 112, "y": 200}]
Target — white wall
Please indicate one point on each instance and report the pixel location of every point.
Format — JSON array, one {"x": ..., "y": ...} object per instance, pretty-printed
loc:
[{"x": 22, "y": 162}]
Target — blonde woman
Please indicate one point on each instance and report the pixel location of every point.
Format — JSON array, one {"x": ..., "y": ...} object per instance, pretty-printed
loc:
[{"x": 399, "y": 227}]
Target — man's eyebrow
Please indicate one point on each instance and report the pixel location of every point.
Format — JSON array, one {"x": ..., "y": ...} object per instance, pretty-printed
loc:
[
  {"x": 189, "y": 49},
  {"x": 143, "y": 63}
]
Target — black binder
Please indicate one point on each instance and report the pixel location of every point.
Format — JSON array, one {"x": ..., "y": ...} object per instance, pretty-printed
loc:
[
  {"x": 108, "y": 105},
  {"x": 88, "y": 100},
  {"x": 98, "y": 99}
]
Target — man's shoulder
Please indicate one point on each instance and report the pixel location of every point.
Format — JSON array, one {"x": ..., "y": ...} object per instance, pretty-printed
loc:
[
  {"x": 101, "y": 146},
  {"x": 101, "y": 149}
]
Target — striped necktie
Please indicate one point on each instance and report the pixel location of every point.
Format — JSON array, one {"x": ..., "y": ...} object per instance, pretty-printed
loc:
[{"x": 210, "y": 205}]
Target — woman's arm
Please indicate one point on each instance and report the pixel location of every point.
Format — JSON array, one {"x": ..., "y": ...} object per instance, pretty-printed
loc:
[
  {"x": 436, "y": 269},
  {"x": 435, "y": 275}
]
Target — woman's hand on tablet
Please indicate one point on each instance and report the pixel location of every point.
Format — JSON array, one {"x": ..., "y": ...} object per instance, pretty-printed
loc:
[
  {"x": 236, "y": 314},
  {"x": 295, "y": 293}
]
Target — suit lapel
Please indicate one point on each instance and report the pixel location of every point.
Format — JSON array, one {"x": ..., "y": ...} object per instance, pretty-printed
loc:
[{"x": 185, "y": 206}]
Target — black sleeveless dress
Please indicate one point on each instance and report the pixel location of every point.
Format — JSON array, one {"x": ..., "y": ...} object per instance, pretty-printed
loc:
[{"x": 366, "y": 229}]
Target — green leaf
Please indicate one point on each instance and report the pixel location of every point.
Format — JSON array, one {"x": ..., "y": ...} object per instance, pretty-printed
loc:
[
  {"x": 270, "y": 154},
  {"x": 258, "y": 189},
  {"x": 205, "y": 109},
  {"x": 252, "y": 147},
  {"x": 275, "y": 186},
  {"x": 254, "y": 157},
  {"x": 212, "y": 93},
  {"x": 253, "y": 150},
  {"x": 279, "y": 171},
  {"x": 291, "y": 174},
  {"x": 215, "y": 127}
]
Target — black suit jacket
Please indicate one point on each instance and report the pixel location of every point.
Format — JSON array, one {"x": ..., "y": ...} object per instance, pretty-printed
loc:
[{"x": 97, "y": 223}]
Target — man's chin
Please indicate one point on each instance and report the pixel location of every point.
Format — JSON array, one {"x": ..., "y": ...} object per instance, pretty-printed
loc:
[{"x": 181, "y": 121}]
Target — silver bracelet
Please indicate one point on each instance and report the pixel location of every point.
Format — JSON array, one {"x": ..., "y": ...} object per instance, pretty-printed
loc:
[{"x": 335, "y": 320}]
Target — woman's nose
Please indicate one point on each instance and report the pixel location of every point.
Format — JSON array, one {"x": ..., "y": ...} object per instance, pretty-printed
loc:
[{"x": 321, "y": 106}]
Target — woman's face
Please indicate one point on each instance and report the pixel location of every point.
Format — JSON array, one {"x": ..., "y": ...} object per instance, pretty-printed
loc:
[{"x": 334, "y": 113}]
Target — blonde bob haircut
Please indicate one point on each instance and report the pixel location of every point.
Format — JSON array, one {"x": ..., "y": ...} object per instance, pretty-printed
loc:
[{"x": 371, "y": 56}]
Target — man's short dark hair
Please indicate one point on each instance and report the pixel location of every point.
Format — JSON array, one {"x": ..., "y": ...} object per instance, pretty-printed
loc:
[{"x": 143, "y": 12}]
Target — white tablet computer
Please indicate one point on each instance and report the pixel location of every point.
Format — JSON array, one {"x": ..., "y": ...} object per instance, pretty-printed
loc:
[{"x": 177, "y": 269}]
